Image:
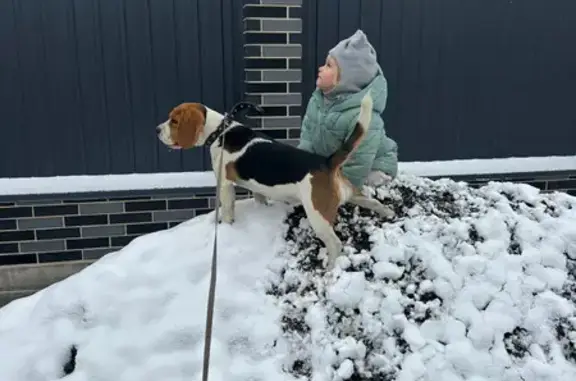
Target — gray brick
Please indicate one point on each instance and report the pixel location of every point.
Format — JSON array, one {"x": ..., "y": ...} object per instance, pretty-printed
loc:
[
  {"x": 35, "y": 246},
  {"x": 282, "y": 25},
  {"x": 253, "y": 75},
  {"x": 173, "y": 215},
  {"x": 292, "y": 51},
  {"x": 38, "y": 202},
  {"x": 88, "y": 254},
  {"x": 294, "y": 133},
  {"x": 282, "y": 122},
  {"x": 294, "y": 75},
  {"x": 282, "y": 99},
  {"x": 184, "y": 194},
  {"x": 103, "y": 231},
  {"x": 102, "y": 208},
  {"x": 40, "y": 222},
  {"x": 282, "y": 2},
  {"x": 293, "y": 142}
]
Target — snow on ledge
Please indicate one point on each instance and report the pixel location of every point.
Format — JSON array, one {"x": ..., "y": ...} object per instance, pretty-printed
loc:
[
  {"x": 490, "y": 166},
  {"x": 105, "y": 183},
  {"x": 151, "y": 181}
]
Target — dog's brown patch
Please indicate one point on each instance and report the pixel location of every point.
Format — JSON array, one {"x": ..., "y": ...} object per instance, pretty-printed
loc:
[
  {"x": 231, "y": 172},
  {"x": 325, "y": 197},
  {"x": 187, "y": 123}
]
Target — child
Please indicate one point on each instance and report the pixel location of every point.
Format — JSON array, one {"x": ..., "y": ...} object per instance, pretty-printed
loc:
[{"x": 351, "y": 69}]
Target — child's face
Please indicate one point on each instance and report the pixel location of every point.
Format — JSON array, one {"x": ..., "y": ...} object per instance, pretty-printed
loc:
[{"x": 327, "y": 75}]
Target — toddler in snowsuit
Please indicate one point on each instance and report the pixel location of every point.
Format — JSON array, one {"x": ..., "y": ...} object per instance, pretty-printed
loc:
[{"x": 350, "y": 71}]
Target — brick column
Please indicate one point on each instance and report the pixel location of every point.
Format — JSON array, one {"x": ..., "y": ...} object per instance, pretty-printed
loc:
[{"x": 273, "y": 57}]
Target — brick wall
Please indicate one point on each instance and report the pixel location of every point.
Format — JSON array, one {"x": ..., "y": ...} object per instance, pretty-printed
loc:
[
  {"x": 273, "y": 57},
  {"x": 78, "y": 228},
  {"x": 37, "y": 230}
]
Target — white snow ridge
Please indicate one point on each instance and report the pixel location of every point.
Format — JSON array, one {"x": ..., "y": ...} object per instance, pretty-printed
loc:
[{"x": 463, "y": 284}]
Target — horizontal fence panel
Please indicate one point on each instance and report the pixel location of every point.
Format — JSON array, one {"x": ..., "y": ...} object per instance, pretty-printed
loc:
[{"x": 85, "y": 82}]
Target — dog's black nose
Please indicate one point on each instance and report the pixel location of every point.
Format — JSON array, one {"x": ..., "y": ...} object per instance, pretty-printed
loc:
[{"x": 158, "y": 128}]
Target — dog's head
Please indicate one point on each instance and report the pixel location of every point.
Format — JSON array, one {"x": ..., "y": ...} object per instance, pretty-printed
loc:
[{"x": 184, "y": 126}]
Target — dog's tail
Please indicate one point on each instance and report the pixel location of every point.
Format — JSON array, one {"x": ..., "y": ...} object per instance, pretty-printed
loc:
[{"x": 343, "y": 153}]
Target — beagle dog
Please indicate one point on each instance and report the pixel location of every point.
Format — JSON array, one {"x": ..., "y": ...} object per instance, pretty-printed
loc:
[{"x": 272, "y": 169}]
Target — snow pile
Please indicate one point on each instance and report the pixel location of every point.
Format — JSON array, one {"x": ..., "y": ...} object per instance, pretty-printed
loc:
[
  {"x": 464, "y": 284},
  {"x": 139, "y": 314}
]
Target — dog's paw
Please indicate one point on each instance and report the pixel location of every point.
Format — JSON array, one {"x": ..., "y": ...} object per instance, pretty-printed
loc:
[
  {"x": 260, "y": 199},
  {"x": 227, "y": 218},
  {"x": 331, "y": 259},
  {"x": 388, "y": 213}
]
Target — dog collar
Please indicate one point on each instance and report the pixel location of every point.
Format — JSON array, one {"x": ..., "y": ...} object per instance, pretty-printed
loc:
[{"x": 229, "y": 118}]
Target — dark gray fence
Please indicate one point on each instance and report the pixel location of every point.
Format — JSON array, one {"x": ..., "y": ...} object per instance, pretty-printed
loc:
[
  {"x": 467, "y": 79},
  {"x": 84, "y": 82}
]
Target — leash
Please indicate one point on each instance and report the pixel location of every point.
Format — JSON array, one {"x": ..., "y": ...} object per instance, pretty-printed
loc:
[{"x": 213, "y": 271}]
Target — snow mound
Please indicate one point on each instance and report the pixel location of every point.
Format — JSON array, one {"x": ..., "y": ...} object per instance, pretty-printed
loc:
[
  {"x": 464, "y": 284},
  {"x": 139, "y": 314}
]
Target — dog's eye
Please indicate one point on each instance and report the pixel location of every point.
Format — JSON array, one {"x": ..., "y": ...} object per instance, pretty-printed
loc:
[{"x": 173, "y": 121}]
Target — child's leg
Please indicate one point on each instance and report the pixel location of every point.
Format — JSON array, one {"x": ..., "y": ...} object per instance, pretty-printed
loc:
[{"x": 377, "y": 178}]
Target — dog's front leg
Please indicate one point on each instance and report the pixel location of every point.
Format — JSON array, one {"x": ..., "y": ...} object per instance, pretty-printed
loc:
[{"x": 227, "y": 200}]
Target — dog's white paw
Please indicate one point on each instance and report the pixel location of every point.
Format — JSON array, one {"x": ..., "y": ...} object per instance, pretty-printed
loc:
[
  {"x": 260, "y": 199},
  {"x": 388, "y": 213},
  {"x": 332, "y": 258},
  {"x": 226, "y": 217}
]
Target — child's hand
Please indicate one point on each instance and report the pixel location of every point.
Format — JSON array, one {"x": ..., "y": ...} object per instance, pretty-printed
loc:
[{"x": 377, "y": 178}]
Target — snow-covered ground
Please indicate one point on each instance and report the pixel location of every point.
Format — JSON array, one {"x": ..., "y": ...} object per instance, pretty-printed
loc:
[{"x": 464, "y": 284}]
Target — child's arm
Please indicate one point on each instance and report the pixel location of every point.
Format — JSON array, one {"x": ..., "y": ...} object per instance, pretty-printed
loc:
[
  {"x": 387, "y": 157},
  {"x": 359, "y": 165},
  {"x": 306, "y": 135}
]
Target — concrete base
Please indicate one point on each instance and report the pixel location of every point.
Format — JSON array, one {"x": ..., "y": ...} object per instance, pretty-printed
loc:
[{"x": 22, "y": 280}]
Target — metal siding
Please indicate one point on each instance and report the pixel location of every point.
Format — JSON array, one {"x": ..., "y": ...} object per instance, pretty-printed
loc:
[
  {"x": 165, "y": 74},
  {"x": 474, "y": 79},
  {"x": 84, "y": 83},
  {"x": 10, "y": 92},
  {"x": 93, "y": 118},
  {"x": 212, "y": 59},
  {"x": 190, "y": 73},
  {"x": 112, "y": 29}
]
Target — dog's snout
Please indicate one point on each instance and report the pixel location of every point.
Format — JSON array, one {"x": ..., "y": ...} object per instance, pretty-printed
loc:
[{"x": 158, "y": 129}]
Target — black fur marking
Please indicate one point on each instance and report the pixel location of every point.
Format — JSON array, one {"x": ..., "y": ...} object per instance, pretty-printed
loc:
[
  {"x": 276, "y": 163},
  {"x": 237, "y": 137},
  {"x": 270, "y": 163},
  {"x": 70, "y": 365}
]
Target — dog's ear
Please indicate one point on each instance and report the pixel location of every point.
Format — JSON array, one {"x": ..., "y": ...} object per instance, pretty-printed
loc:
[{"x": 192, "y": 118}]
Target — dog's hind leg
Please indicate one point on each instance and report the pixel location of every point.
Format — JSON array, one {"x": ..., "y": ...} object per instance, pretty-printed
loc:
[
  {"x": 324, "y": 230},
  {"x": 371, "y": 204}
]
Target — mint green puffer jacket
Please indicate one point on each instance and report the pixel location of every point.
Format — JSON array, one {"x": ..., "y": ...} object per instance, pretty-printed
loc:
[{"x": 329, "y": 122}]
